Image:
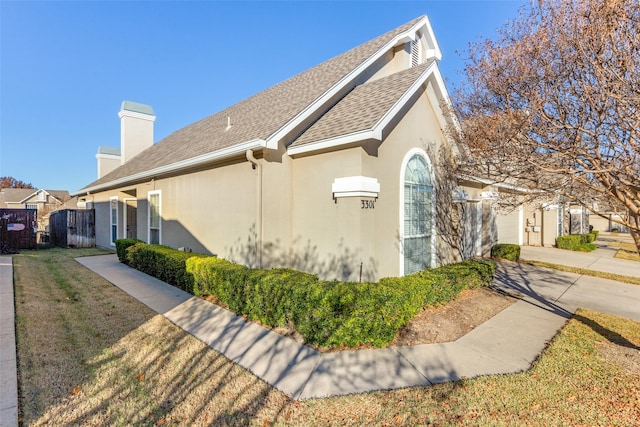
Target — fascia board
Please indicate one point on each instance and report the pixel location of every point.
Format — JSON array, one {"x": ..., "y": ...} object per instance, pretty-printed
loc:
[
  {"x": 375, "y": 132},
  {"x": 173, "y": 167},
  {"x": 401, "y": 102},
  {"x": 503, "y": 185},
  {"x": 435, "y": 52},
  {"x": 272, "y": 141},
  {"x": 30, "y": 196},
  {"x": 332, "y": 142}
]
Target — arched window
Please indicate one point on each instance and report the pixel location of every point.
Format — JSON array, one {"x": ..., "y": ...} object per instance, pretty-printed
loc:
[{"x": 418, "y": 215}]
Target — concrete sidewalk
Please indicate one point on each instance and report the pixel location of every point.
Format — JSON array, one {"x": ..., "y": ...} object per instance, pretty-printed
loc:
[
  {"x": 8, "y": 365},
  {"x": 509, "y": 342},
  {"x": 602, "y": 259}
]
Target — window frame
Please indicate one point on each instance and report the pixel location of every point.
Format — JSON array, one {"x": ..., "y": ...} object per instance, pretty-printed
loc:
[
  {"x": 431, "y": 232},
  {"x": 157, "y": 193},
  {"x": 113, "y": 222}
]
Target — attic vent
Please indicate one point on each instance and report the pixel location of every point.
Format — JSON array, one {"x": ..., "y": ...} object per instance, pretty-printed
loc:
[{"x": 415, "y": 52}]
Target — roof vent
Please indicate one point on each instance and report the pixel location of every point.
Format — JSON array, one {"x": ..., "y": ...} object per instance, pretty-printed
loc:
[{"x": 415, "y": 52}]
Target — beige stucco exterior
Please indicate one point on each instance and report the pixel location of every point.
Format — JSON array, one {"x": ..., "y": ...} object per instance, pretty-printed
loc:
[
  {"x": 282, "y": 213},
  {"x": 320, "y": 193}
]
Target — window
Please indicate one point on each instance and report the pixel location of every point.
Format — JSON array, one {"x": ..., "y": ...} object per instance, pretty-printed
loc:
[
  {"x": 155, "y": 222},
  {"x": 113, "y": 201},
  {"x": 417, "y": 215},
  {"x": 31, "y": 206}
]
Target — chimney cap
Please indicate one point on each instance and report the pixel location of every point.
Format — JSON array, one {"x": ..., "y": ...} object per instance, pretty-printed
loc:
[{"x": 136, "y": 107}]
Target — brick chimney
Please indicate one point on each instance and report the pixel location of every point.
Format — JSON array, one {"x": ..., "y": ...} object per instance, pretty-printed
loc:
[{"x": 136, "y": 129}]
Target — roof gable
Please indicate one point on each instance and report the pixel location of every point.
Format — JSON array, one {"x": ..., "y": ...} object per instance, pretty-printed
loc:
[
  {"x": 363, "y": 113},
  {"x": 265, "y": 119}
]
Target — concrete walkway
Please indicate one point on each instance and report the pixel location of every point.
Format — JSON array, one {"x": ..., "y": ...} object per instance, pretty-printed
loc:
[
  {"x": 509, "y": 342},
  {"x": 602, "y": 259},
  {"x": 8, "y": 366}
]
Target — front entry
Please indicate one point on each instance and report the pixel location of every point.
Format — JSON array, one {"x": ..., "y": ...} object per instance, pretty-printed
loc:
[{"x": 131, "y": 218}]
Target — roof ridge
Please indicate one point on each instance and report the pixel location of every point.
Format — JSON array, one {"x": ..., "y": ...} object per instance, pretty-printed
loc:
[{"x": 254, "y": 119}]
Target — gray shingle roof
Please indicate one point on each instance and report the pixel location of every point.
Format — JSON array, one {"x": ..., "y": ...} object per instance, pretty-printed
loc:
[
  {"x": 256, "y": 118},
  {"x": 362, "y": 108}
]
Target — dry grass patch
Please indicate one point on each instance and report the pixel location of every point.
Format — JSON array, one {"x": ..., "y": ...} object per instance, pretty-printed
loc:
[
  {"x": 626, "y": 251},
  {"x": 91, "y": 355},
  {"x": 611, "y": 276}
]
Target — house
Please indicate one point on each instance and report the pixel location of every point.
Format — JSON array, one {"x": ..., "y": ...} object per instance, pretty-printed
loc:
[
  {"x": 344, "y": 170},
  {"x": 44, "y": 201}
]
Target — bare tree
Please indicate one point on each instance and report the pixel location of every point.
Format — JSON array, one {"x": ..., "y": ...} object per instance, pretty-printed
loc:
[{"x": 553, "y": 104}]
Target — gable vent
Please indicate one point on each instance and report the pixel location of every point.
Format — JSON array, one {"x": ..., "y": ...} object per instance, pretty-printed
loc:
[{"x": 415, "y": 52}]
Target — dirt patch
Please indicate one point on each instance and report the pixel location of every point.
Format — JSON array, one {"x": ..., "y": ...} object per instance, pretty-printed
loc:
[
  {"x": 455, "y": 319},
  {"x": 443, "y": 323},
  {"x": 626, "y": 358}
]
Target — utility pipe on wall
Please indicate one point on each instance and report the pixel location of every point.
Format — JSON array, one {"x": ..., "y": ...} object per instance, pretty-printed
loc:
[{"x": 259, "y": 235}]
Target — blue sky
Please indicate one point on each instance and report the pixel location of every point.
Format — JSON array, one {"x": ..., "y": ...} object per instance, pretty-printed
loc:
[{"x": 66, "y": 66}]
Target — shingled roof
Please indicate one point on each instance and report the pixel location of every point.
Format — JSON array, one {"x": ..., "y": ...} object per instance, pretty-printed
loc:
[
  {"x": 260, "y": 119},
  {"x": 363, "y": 108}
]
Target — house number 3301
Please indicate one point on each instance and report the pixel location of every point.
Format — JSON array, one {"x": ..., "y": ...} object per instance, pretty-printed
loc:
[{"x": 367, "y": 204}]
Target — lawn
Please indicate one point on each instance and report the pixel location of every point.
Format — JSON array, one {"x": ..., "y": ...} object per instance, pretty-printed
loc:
[
  {"x": 626, "y": 251},
  {"x": 89, "y": 354}
]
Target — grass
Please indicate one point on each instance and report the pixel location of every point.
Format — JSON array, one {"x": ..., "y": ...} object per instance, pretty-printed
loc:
[
  {"x": 91, "y": 355},
  {"x": 627, "y": 251},
  {"x": 578, "y": 270}
]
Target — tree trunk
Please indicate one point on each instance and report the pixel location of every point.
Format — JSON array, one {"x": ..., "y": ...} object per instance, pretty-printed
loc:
[{"x": 635, "y": 230}]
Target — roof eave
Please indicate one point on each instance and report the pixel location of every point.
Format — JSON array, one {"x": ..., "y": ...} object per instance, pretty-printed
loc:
[
  {"x": 375, "y": 132},
  {"x": 274, "y": 139},
  {"x": 218, "y": 155}
]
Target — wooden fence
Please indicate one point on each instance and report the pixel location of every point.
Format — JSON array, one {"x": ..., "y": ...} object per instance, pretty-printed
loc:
[
  {"x": 17, "y": 230},
  {"x": 73, "y": 228}
]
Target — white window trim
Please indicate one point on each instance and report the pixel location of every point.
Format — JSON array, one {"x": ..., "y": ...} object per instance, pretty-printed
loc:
[
  {"x": 149, "y": 194},
  {"x": 478, "y": 243},
  {"x": 403, "y": 170},
  {"x": 521, "y": 225},
  {"x": 111, "y": 223}
]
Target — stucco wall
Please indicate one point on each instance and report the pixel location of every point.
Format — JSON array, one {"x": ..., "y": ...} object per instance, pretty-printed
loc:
[{"x": 284, "y": 209}]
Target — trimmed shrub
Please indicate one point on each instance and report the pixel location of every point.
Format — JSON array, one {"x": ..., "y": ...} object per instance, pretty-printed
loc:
[
  {"x": 333, "y": 313},
  {"x": 571, "y": 242},
  {"x": 162, "y": 262},
  {"x": 121, "y": 248},
  {"x": 507, "y": 251},
  {"x": 577, "y": 242},
  {"x": 326, "y": 313}
]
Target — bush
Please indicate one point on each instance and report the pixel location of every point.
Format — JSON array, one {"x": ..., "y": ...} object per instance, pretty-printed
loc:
[
  {"x": 506, "y": 251},
  {"x": 332, "y": 313},
  {"x": 577, "y": 242},
  {"x": 162, "y": 262},
  {"x": 121, "y": 248},
  {"x": 326, "y": 313}
]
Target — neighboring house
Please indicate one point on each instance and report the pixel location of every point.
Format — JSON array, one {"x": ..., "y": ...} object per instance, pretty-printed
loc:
[
  {"x": 44, "y": 201},
  {"x": 344, "y": 170}
]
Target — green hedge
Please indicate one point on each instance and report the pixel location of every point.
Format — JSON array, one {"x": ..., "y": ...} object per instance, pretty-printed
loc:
[
  {"x": 162, "y": 262},
  {"x": 506, "y": 251},
  {"x": 577, "y": 242},
  {"x": 121, "y": 248},
  {"x": 326, "y": 313},
  {"x": 332, "y": 313}
]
